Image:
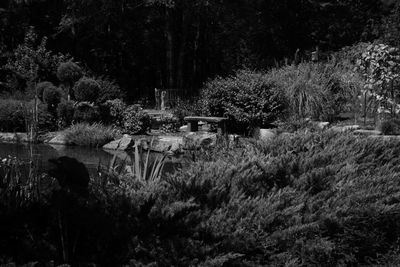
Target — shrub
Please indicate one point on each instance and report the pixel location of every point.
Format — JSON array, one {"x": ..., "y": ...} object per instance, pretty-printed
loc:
[
  {"x": 52, "y": 97},
  {"x": 46, "y": 119},
  {"x": 65, "y": 113},
  {"x": 69, "y": 73},
  {"x": 40, "y": 87},
  {"x": 91, "y": 135},
  {"x": 86, "y": 112},
  {"x": 136, "y": 121},
  {"x": 186, "y": 108},
  {"x": 86, "y": 89},
  {"x": 247, "y": 98},
  {"x": 112, "y": 112},
  {"x": 390, "y": 127},
  {"x": 108, "y": 90},
  {"x": 12, "y": 115}
]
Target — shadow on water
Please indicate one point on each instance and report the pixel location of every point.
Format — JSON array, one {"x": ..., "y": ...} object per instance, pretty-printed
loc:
[{"x": 91, "y": 157}]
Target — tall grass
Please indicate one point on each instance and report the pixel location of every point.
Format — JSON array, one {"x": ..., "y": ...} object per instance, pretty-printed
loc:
[
  {"x": 318, "y": 90},
  {"x": 140, "y": 168},
  {"x": 91, "y": 135},
  {"x": 19, "y": 180}
]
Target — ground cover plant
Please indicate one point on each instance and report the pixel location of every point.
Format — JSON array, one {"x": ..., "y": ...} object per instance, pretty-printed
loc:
[{"x": 322, "y": 199}]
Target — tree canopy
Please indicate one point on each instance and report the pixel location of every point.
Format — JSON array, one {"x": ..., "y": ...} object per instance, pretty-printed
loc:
[{"x": 144, "y": 44}]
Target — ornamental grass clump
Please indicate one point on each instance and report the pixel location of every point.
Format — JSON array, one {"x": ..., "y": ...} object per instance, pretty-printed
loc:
[{"x": 91, "y": 135}]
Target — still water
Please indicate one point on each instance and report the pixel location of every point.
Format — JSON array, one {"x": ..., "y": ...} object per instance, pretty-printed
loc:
[{"x": 91, "y": 157}]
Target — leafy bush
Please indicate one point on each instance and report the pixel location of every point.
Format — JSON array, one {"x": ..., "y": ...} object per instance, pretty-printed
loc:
[
  {"x": 136, "y": 121},
  {"x": 390, "y": 127},
  {"x": 91, "y": 135},
  {"x": 112, "y": 112},
  {"x": 40, "y": 87},
  {"x": 186, "y": 108},
  {"x": 248, "y": 99},
  {"x": 12, "y": 115},
  {"x": 52, "y": 97},
  {"x": 65, "y": 113},
  {"x": 108, "y": 90},
  {"x": 86, "y": 89},
  {"x": 170, "y": 125},
  {"x": 46, "y": 119},
  {"x": 86, "y": 112},
  {"x": 69, "y": 73}
]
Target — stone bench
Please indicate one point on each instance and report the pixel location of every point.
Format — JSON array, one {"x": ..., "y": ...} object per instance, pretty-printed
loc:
[{"x": 193, "y": 123}]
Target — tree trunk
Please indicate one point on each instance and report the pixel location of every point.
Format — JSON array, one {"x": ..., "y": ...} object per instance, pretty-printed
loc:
[
  {"x": 169, "y": 48},
  {"x": 181, "y": 56},
  {"x": 195, "y": 53}
]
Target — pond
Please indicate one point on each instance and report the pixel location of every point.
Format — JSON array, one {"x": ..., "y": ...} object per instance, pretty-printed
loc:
[{"x": 91, "y": 157}]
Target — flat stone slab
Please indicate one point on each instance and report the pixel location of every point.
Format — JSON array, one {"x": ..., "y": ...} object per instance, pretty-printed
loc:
[{"x": 207, "y": 119}]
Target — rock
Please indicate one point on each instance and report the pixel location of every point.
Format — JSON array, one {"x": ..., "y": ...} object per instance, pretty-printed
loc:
[
  {"x": 14, "y": 137},
  {"x": 167, "y": 143},
  {"x": 267, "y": 134},
  {"x": 323, "y": 125},
  {"x": 59, "y": 139},
  {"x": 195, "y": 140},
  {"x": 367, "y": 132},
  {"x": 125, "y": 143},
  {"x": 183, "y": 128}
]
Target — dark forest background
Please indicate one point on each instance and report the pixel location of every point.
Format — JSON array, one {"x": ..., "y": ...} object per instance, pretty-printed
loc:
[{"x": 142, "y": 44}]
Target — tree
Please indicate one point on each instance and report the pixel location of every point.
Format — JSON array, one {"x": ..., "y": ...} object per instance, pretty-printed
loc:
[{"x": 69, "y": 73}]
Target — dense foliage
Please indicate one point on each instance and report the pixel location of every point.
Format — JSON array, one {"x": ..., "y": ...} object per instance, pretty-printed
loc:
[
  {"x": 248, "y": 99},
  {"x": 65, "y": 113},
  {"x": 180, "y": 44},
  {"x": 86, "y": 112},
  {"x": 135, "y": 121},
  {"x": 52, "y": 96},
  {"x": 12, "y": 116},
  {"x": 86, "y": 89},
  {"x": 321, "y": 199}
]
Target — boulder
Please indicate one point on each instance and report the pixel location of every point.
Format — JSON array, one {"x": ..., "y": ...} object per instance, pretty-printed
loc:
[
  {"x": 14, "y": 137},
  {"x": 195, "y": 140},
  {"x": 183, "y": 128},
  {"x": 267, "y": 134},
  {"x": 59, "y": 139},
  {"x": 125, "y": 143},
  {"x": 166, "y": 144},
  {"x": 323, "y": 125}
]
